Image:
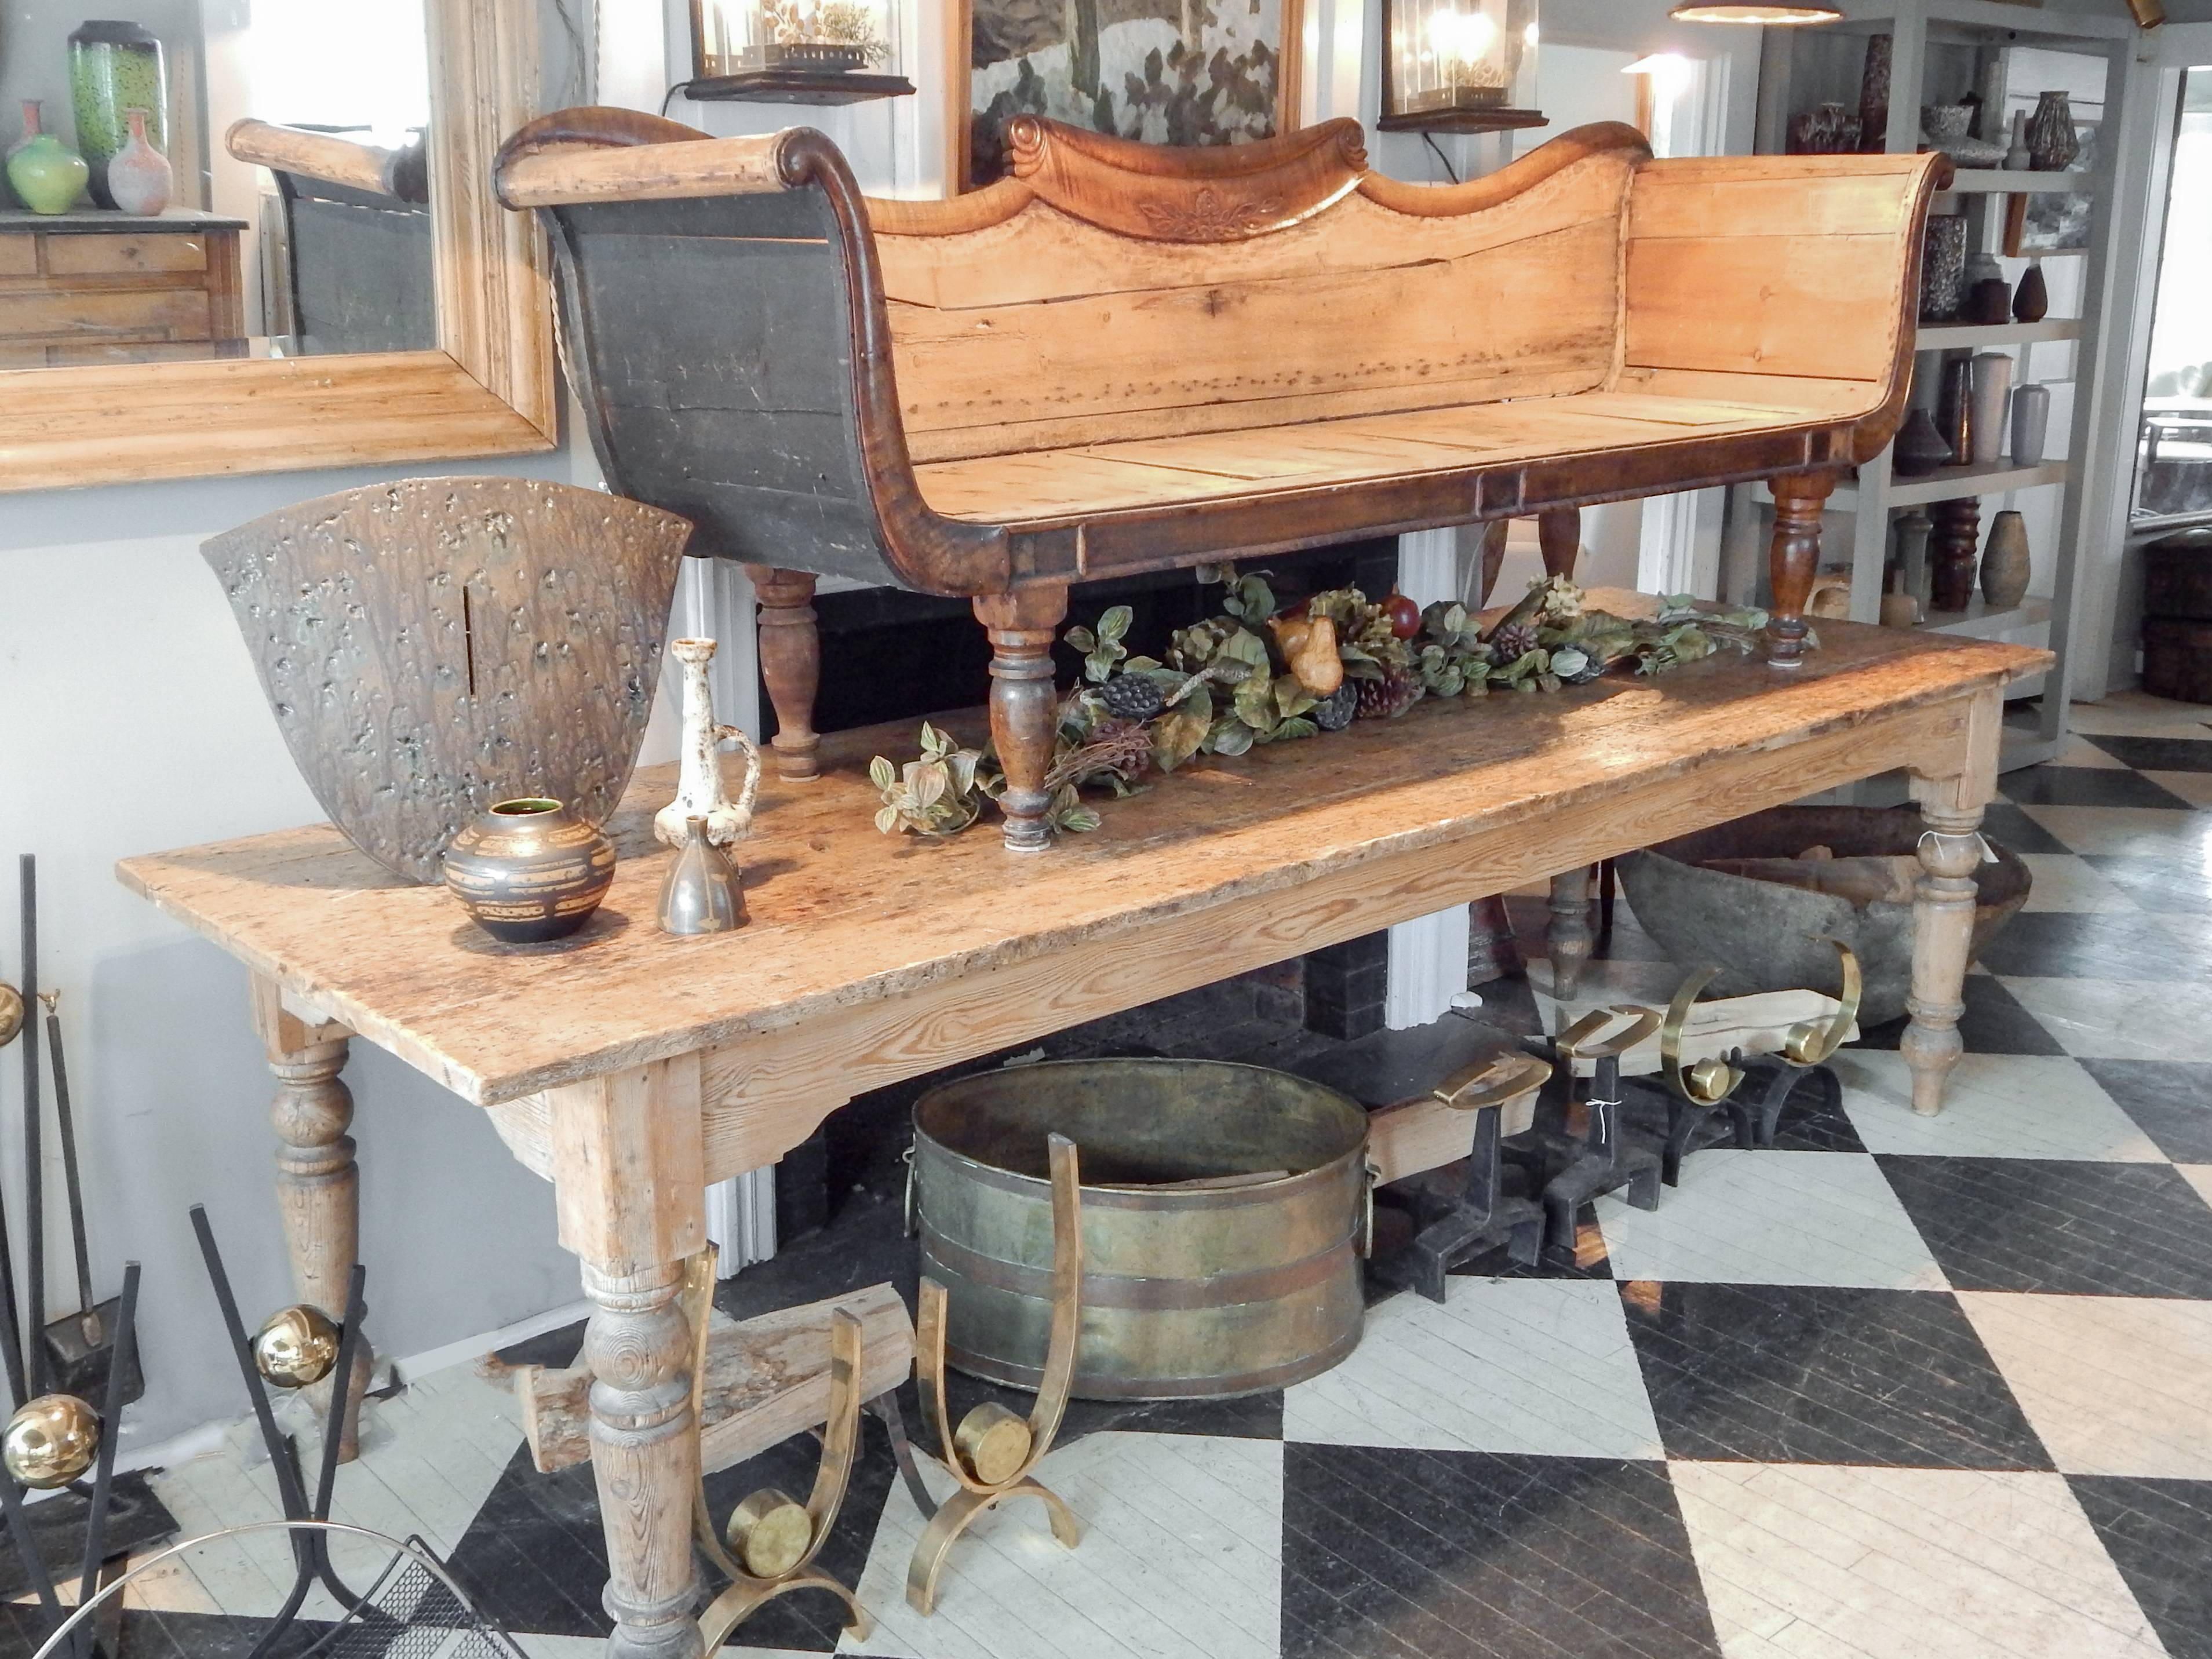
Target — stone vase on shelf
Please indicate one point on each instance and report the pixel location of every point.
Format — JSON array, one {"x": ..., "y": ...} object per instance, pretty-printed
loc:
[
  {"x": 1992, "y": 384},
  {"x": 1873, "y": 94},
  {"x": 2053, "y": 142},
  {"x": 2005, "y": 568},
  {"x": 1954, "y": 410},
  {"x": 2017, "y": 159},
  {"x": 1920, "y": 447},
  {"x": 2031, "y": 424},
  {"x": 2031, "y": 300},
  {"x": 1943, "y": 267},
  {"x": 140, "y": 179}
]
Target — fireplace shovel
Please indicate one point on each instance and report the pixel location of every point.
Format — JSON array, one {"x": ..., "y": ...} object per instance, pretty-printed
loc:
[{"x": 80, "y": 1347}]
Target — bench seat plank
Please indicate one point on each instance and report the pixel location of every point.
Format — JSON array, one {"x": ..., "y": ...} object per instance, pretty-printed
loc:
[{"x": 1045, "y": 488}]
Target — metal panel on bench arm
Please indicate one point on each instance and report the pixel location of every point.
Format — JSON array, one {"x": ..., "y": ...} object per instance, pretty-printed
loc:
[{"x": 1127, "y": 357}]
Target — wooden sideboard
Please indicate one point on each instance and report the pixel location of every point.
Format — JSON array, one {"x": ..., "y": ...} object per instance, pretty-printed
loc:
[{"x": 103, "y": 287}]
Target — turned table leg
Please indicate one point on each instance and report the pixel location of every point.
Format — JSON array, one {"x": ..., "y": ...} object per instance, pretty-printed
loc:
[
  {"x": 1024, "y": 702},
  {"x": 791, "y": 664},
  {"x": 1794, "y": 561},
  {"x": 317, "y": 1180},
  {"x": 1943, "y": 935},
  {"x": 1567, "y": 940},
  {"x": 629, "y": 1185}
]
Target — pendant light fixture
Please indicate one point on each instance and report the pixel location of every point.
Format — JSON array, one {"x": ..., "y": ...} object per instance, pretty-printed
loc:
[{"x": 1721, "y": 11}]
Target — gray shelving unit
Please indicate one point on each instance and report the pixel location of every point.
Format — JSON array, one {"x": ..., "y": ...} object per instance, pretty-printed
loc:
[{"x": 1939, "y": 47}]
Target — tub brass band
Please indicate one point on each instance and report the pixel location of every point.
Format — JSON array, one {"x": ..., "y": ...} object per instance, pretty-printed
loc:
[{"x": 943, "y": 1258}]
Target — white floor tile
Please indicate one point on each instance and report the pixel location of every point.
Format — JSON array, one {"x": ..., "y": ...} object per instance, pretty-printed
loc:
[
  {"x": 2132, "y": 831},
  {"x": 1542, "y": 1366},
  {"x": 2074, "y": 749},
  {"x": 2199, "y": 1175},
  {"x": 2120, "y": 1019},
  {"x": 2195, "y": 788},
  {"x": 1905, "y": 1563},
  {"x": 2065, "y": 881},
  {"x": 1772, "y": 1218},
  {"x": 1994, "y": 1106},
  {"x": 2113, "y": 1384},
  {"x": 2136, "y": 715},
  {"x": 1157, "y": 1575}
]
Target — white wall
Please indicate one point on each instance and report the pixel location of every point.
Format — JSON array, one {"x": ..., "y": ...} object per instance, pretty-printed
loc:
[{"x": 131, "y": 721}]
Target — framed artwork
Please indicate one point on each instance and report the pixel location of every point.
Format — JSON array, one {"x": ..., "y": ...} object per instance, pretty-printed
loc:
[
  {"x": 1158, "y": 71},
  {"x": 2057, "y": 222}
]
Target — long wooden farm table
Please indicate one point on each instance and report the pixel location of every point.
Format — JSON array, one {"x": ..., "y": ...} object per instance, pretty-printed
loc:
[{"x": 632, "y": 1068}]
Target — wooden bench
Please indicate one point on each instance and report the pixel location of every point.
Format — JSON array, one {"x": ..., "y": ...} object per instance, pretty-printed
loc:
[{"x": 1126, "y": 357}]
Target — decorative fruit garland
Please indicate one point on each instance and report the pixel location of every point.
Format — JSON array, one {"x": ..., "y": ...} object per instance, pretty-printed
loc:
[{"x": 1258, "y": 673}]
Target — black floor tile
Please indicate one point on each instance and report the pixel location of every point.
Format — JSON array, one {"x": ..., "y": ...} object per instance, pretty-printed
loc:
[
  {"x": 2170, "y": 1100},
  {"x": 2159, "y": 754},
  {"x": 1994, "y": 1023},
  {"x": 2181, "y": 888},
  {"x": 2159, "y": 1533},
  {"x": 1813, "y": 1374},
  {"x": 535, "y": 1561},
  {"x": 2016, "y": 1224},
  {"x": 2102, "y": 944},
  {"x": 2015, "y": 829},
  {"x": 1441, "y": 1555},
  {"x": 2086, "y": 785}
]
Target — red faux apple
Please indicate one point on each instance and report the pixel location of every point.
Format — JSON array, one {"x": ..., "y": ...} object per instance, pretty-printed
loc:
[{"x": 1405, "y": 615}]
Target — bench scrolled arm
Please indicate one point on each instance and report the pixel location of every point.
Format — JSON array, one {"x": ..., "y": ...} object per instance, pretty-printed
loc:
[{"x": 561, "y": 161}]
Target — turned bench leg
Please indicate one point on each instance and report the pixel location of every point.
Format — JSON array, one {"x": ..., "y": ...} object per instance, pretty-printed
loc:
[
  {"x": 1559, "y": 538},
  {"x": 1794, "y": 561},
  {"x": 791, "y": 663},
  {"x": 1024, "y": 702},
  {"x": 1567, "y": 940}
]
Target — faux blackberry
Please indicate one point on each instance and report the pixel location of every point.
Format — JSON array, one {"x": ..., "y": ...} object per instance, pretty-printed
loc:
[
  {"x": 1133, "y": 697},
  {"x": 1388, "y": 698},
  {"x": 1511, "y": 642},
  {"x": 1334, "y": 711}
]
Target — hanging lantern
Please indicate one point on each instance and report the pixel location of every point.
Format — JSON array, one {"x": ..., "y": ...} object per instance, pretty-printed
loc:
[{"x": 1459, "y": 65}]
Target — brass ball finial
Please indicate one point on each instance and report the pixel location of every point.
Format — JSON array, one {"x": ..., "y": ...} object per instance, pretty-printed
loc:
[
  {"x": 770, "y": 1533},
  {"x": 297, "y": 1347},
  {"x": 51, "y": 1440}
]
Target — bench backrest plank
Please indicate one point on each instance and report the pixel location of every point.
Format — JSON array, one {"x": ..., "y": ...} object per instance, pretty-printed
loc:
[{"x": 1042, "y": 330}]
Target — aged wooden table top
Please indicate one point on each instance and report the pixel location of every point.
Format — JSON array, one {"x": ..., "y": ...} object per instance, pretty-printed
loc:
[{"x": 1482, "y": 795}]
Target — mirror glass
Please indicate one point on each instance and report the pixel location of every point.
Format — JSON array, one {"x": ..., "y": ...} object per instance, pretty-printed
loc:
[
  {"x": 141, "y": 223},
  {"x": 2174, "y": 453}
]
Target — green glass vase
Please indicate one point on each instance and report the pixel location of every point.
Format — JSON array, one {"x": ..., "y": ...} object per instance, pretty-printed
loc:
[
  {"x": 45, "y": 175},
  {"x": 115, "y": 67}
]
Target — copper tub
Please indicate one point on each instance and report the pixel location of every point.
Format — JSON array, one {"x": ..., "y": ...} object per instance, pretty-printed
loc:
[{"x": 1187, "y": 1293}]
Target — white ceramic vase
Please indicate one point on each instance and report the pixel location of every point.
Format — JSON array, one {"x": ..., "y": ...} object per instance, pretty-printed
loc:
[
  {"x": 699, "y": 790},
  {"x": 2031, "y": 424},
  {"x": 139, "y": 177},
  {"x": 1992, "y": 384}
]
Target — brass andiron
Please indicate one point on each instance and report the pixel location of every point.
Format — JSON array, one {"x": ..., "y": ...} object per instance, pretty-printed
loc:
[
  {"x": 993, "y": 1452},
  {"x": 772, "y": 1539},
  {"x": 1806, "y": 1051},
  {"x": 1696, "y": 1091}
]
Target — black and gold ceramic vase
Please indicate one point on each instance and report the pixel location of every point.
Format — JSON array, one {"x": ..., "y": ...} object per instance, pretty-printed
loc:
[{"x": 530, "y": 870}]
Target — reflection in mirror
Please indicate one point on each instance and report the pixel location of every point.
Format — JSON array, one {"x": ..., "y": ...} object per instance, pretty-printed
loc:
[
  {"x": 214, "y": 178},
  {"x": 2173, "y": 456}
]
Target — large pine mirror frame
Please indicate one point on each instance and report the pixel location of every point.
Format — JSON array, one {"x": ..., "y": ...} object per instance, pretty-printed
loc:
[{"x": 489, "y": 389}]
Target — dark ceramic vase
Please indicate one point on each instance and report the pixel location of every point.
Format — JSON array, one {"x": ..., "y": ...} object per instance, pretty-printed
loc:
[
  {"x": 2052, "y": 140},
  {"x": 2031, "y": 300},
  {"x": 529, "y": 871},
  {"x": 1920, "y": 447}
]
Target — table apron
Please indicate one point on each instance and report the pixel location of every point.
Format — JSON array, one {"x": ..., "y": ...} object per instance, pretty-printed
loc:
[{"x": 764, "y": 1094}]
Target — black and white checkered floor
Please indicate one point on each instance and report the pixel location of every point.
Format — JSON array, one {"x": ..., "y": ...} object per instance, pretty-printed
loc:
[{"x": 1901, "y": 1387}]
